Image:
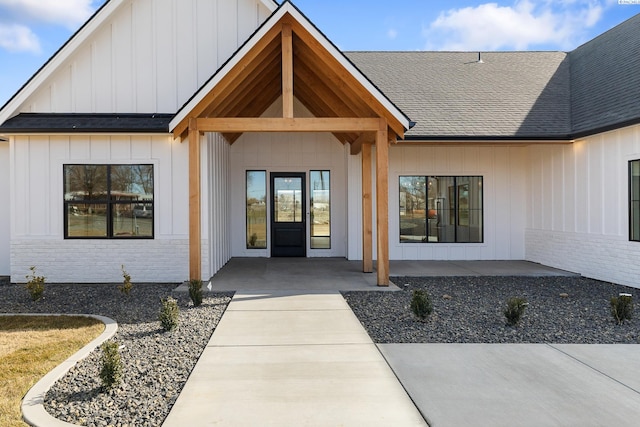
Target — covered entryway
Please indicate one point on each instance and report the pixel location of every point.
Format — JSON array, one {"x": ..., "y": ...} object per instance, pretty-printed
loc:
[{"x": 288, "y": 61}]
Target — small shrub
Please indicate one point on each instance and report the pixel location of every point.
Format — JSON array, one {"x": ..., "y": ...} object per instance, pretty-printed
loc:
[
  {"x": 514, "y": 310},
  {"x": 421, "y": 305},
  {"x": 622, "y": 307},
  {"x": 169, "y": 314},
  {"x": 111, "y": 370},
  {"x": 35, "y": 284},
  {"x": 126, "y": 286},
  {"x": 195, "y": 291}
]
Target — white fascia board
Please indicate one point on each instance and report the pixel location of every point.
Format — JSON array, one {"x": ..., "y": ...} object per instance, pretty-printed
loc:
[
  {"x": 268, "y": 25},
  {"x": 270, "y": 4},
  {"x": 71, "y": 46}
]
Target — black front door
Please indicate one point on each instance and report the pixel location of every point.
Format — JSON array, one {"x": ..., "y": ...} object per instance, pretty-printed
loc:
[{"x": 288, "y": 215}]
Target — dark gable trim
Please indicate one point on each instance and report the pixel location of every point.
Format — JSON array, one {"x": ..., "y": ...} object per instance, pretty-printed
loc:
[{"x": 87, "y": 123}]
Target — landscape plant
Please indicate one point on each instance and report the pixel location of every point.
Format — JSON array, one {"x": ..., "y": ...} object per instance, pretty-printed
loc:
[
  {"x": 195, "y": 291},
  {"x": 126, "y": 286},
  {"x": 169, "y": 314},
  {"x": 622, "y": 307},
  {"x": 35, "y": 284},
  {"x": 421, "y": 305},
  {"x": 514, "y": 310},
  {"x": 111, "y": 365}
]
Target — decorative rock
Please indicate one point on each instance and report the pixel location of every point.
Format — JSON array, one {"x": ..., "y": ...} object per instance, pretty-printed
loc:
[
  {"x": 564, "y": 295},
  {"x": 148, "y": 356}
]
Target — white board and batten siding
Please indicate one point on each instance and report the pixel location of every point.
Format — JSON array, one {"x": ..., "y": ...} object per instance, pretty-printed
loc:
[
  {"x": 37, "y": 210},
  {"x": 579, "y": 211},
  {"x": 142, "y": 56},
  {"x": 503, "y": 187},
  {"x": 149, "y": 56},
  {"x": 289, "y": 152},
  {"x": 5, "y": 229}
]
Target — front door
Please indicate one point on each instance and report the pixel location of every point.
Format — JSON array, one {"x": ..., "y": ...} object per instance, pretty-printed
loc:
[{"x": 288, "y": 215}]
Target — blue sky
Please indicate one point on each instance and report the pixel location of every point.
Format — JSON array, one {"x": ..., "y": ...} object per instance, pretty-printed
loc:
[{"x": 32, "y": 30}]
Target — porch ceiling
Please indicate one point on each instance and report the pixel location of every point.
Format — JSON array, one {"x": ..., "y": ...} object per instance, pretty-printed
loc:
[{"x": 320, "y": 82}]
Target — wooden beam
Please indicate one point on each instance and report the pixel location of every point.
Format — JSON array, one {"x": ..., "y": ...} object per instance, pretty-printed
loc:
[
  {"x": 195, "y": 251},
  {"x": 287, "y": 71},
  {"x": 364, "y": 138},
  {"x": 382, "y": 202},
  {"x": 367, "y": 211},
  {"x": 276, "y": 124}
]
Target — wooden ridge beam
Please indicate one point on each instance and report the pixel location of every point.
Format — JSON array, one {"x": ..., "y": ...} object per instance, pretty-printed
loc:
[{"x": 287, "y": 71}]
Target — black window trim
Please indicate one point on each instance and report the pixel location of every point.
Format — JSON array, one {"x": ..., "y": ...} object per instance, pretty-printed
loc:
[
  {"x": 455, "y": 177},
  {"x": 107, "y": 201},
  {"x": 631, "y": 199}
]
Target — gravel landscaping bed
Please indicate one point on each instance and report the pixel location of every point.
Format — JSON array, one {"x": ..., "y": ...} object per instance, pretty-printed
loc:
[
  {"x": 470, "y": 310},
  {"x": 156, "y": 363}
]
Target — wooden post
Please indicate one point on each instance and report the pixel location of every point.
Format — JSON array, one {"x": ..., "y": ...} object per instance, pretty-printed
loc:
[
  {"x": 195, "y": 251},
  {"x": 367, "y": 210},
  {"x": 287, "y": 71},
  {"x": 382, "y": 202}
]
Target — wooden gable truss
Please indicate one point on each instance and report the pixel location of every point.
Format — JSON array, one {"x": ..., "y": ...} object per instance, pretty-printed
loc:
[{"x": 287, "y": 60}]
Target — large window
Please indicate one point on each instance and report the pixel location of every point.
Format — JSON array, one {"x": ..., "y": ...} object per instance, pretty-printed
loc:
[
  {"x": 441, "y": 209},
  {"x": 320, "y": 196},
  {"x": 256, "y": 198},
  {"x": 108, "y": 201},
  {"x": 634, "y": 200}
]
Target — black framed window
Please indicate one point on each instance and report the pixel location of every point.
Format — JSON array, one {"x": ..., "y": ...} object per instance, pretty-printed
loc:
[
  {"x": 256, "y": 209},
  {"x": 108, "y": 201},
  {"x": 634, "y": 200},
  {"x": 441, "y": 209},
  {"x": 320, "y": 198}
]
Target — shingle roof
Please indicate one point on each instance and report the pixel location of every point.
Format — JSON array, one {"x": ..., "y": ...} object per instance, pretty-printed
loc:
[
  {"x": 451, "y": 94},
  {"x": 605, "y": 79},
  {"x": 85, "y": 123}
]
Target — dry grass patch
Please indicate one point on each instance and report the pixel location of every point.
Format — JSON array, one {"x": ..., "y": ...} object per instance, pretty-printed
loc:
[{"x": 31, "y": 346}]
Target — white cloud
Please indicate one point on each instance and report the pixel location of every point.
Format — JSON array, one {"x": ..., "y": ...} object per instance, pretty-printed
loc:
[
  {"x": 526, "y": 23},
  {"x": 392, "y": 33},
  {"x": 68, "y": 13},
  {"x": 18, "y": 38}
]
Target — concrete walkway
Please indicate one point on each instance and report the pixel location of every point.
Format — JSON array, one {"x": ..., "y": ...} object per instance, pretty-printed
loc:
[
  {"x": 298, "y": 356},
  {"x": 292, "y": 359}
]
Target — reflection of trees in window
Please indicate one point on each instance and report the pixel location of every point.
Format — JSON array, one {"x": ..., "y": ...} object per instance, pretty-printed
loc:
[
  {"x": 445, "y": 209},
  {"x": 86, "y": 181},
  {"x": 320, "y": 185},
  {"x": 256, "y": 212},
  {"x": 108, "y": 201}
]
